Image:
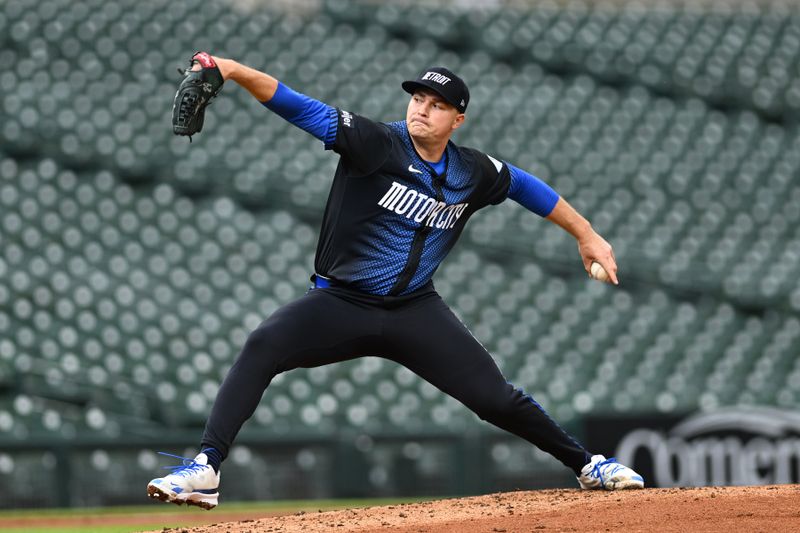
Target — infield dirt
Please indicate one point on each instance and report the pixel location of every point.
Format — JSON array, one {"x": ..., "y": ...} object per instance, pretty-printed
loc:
[{"x": 711, "y": 509}]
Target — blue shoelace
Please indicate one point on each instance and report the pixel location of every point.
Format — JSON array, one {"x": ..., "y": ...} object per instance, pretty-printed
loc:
[
  {"x": 597, "y": 470},
  {"x": 188, "y": 466}
]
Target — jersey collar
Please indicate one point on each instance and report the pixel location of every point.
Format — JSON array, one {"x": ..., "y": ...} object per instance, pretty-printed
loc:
[{"x": 432, "y": 171}]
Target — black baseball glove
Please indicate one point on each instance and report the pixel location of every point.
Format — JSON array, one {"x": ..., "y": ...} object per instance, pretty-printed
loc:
[{"x": 195, "y": 92}]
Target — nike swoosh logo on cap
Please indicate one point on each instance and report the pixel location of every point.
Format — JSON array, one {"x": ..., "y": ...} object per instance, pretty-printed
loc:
[{"x": 412, "y": 169}]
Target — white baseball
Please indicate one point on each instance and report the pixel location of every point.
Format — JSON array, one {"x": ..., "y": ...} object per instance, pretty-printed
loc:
[{"x": 599, "y": 273}]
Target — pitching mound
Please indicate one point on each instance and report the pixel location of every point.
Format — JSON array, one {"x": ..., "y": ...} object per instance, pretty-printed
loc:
[{"x": 728, "y": 509}]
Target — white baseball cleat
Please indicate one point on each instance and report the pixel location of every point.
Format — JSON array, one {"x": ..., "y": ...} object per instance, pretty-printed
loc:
[
  {"x": 193, "y": 483},
  {"x": 608, "y": 474}
]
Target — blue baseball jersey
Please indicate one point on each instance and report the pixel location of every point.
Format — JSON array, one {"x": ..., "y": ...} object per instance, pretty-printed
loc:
[{"x": 392, "y": 217}]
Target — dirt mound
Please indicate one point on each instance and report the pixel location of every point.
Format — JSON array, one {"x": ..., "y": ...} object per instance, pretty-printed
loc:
[{"x": 728, "y": 509}]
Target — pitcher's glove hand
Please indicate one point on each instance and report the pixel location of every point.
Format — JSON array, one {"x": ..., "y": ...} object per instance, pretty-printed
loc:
[{"x": 198, "y": 88}]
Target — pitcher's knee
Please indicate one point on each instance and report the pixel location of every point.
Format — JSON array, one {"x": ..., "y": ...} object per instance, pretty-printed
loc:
[{"x": 260, "y": 344}]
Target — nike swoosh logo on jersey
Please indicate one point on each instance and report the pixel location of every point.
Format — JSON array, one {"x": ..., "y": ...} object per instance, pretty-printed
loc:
[{"x": 412, "y": 169}]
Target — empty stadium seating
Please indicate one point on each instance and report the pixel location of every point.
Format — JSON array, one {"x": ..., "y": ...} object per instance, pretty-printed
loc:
[{"x": 133, "y": 263}]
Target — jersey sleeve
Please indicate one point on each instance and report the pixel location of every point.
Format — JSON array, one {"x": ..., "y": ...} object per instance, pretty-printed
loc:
[
  {"x": 495, "y": 179},
  {"x": 502, "y": 180},
  {"x": 362, "y": 143}
]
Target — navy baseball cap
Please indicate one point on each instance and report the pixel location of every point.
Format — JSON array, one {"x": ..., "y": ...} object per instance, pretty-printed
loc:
[{"x": 444, "y": 83}]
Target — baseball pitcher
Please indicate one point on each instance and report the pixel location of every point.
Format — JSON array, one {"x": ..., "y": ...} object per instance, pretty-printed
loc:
[{"x": 400, "y": 198}]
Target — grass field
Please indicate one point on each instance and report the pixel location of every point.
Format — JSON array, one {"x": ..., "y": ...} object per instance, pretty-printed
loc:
[{"x": 158, "y": 516}]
